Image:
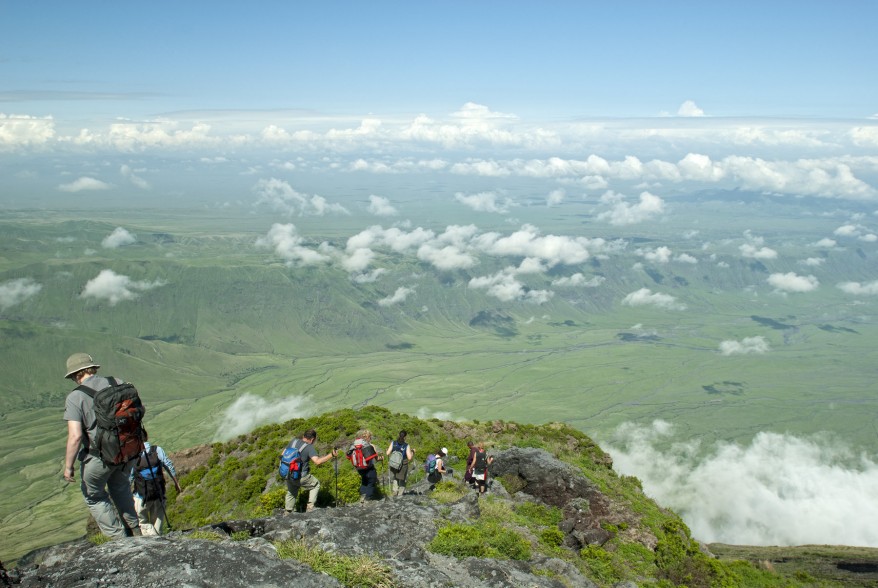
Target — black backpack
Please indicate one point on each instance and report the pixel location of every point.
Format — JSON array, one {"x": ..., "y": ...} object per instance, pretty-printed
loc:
[
  {"x": 119, "y": 433},
  {"x": 481, "y": 464},
  {"x": 149, "y": 479}
]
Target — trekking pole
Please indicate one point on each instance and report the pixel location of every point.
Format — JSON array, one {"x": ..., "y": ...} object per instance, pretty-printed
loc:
[{"x": 335, "y": 464}]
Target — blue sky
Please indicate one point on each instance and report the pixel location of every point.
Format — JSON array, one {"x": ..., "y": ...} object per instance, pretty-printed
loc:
[
  {"x": 535, "y": 59},
  {"x": 454, "y": 87}
]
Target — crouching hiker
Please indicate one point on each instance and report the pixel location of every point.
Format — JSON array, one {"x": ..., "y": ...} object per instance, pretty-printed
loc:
[
  {"x": 363, "y": 457},
  {"x": 105, "y": 454},
  {"x": 149, "y": 488},
  {"x": 295, "y": 468}
]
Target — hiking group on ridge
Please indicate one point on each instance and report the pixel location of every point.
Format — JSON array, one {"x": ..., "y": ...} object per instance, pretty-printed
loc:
[{"x": 105, "y": 434}]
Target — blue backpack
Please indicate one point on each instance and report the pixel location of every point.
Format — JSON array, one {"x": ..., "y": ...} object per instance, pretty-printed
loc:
[
  {"x": 291, "y": 464},
  {"x": 430, "y": 465}
]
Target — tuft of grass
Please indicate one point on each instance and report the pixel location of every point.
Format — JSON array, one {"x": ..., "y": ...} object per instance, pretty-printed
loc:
[
  {"x": 208, "y": 535},
  {"x": 98, "y": 539},
  {"x": 354, "y": 572}
]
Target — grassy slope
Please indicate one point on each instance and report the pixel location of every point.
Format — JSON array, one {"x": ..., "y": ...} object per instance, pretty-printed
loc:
[
  {"x": 230, "y": 320},
  {"x": 649, "y": 543}
]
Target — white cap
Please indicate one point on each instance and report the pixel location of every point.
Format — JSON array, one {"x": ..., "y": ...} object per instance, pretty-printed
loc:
[{"x": 444, "y": 451}]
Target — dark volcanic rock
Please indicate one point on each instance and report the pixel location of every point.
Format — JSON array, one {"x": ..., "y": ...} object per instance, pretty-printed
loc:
[{"x": 153, "y": 562}]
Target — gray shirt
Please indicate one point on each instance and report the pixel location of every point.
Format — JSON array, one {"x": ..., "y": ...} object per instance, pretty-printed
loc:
[
  {"x": 80, "y": 407},
  {"x": 306, "y": 451}
]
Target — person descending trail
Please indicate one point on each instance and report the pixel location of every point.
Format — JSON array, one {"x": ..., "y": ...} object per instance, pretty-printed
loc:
[
  {"x": 105, "y": 462},
  {"x": 149, "y": 488},
  {"x": 302, "y": 478},
  {"x": 363, "y": 456},
  {"x": 468, "y": 474},
  {"x": 435, "y": 467},
  {"x": 479, "y": 467},
  {"x": 399, "y": 455}
]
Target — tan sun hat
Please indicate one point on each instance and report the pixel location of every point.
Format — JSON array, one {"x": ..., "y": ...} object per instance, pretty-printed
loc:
[{"x": 79, "y": 361}]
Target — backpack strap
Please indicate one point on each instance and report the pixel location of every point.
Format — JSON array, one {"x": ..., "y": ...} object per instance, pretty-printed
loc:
[{"x": 91, "y": 391}]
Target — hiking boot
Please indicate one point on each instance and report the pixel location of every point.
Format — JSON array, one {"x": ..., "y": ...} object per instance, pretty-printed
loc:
[
  {"x": 309, "y": 508},
  {"x": 136, "y": 532}
]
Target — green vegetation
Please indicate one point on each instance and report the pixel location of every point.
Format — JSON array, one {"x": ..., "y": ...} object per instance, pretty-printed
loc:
[
  {"x": 354, "y": 572},
  {"x": 505, "y": 529},
  {"x": 479, "y": 540}
]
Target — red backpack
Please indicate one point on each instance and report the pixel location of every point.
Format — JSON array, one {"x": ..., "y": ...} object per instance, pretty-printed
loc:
[{"x": 361, "y": 454}]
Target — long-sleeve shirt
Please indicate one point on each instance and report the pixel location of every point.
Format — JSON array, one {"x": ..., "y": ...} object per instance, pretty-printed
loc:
[{"x": 166, "y": 462}]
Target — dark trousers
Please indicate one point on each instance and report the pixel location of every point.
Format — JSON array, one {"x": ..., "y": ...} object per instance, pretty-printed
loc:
[{"x": 368, "y": 482}]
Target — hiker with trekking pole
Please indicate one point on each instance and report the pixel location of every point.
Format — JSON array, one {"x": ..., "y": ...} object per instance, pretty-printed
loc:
[
  {"x": 149, "y": 488},
  {"x": 295, "y": 468}
]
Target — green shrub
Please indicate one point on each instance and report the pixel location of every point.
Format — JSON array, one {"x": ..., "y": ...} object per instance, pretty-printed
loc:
[
  {"x": 512, "y": 483},
  {"x": 679, "y": 560},
  {"x": 534, "y": 513},
  {"x": 552, "y": 537},
  {"x": 600, "y": 564},
  {"x": 480, "y": 540},
  {"x": 270, "y": 500}
]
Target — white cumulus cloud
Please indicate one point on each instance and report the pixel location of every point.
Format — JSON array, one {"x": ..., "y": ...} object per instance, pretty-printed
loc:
[
  {"x": 792, "y": 282},
  {"x": 689, "y": 108},
  {"x": 115, "y": 288},
  {"x": 622, "y": 213},
  {"x": 398, "y": 297},
  {"x": 84, "y": 183},
  {"x": 289, "y": 245},
  {"x": 577, "y": 280},
  {"x": 16, "y": 291},
  {"x": 747, "y": 345},
  {"x": 646, "y": 297},
  {"x": 381, "y": 206},
  {"x": 483, "y": 202},
  {"x": 118, "y": 238},
  {"x": 860, "y": 289},
  {"x": 280, "y": 196}
]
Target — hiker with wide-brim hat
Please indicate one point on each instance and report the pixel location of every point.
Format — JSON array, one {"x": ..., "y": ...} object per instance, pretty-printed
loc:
[{"x": 105, "y": 487}]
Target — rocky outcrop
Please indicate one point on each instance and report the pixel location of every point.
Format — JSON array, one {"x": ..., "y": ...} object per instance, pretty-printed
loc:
[{"x": 396, "y": 531}]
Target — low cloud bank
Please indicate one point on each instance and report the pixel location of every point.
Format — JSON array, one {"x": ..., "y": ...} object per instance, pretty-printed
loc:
[
  {"x": 777, "y": 490},
  {"x": 251, "y": 411}
]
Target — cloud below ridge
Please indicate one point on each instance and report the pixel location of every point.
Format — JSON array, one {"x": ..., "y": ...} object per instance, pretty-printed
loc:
[
  {"x": 776, "y": 490},
  {"x": 250, "y": 411}
]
